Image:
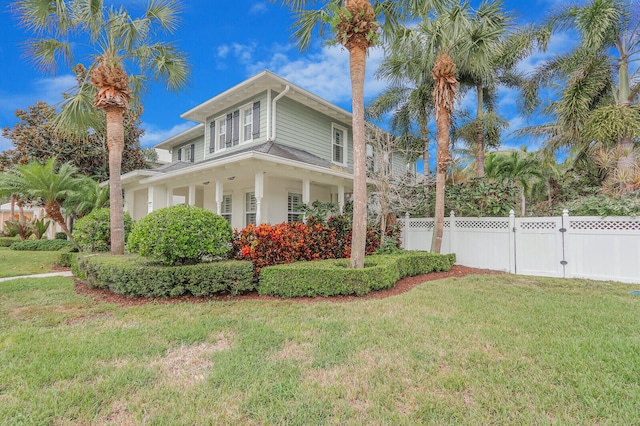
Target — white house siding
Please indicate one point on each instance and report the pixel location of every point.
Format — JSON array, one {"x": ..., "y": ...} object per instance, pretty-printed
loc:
[
  {"x": 262, "y": 97},
  {"x": 304, "y": 128}
]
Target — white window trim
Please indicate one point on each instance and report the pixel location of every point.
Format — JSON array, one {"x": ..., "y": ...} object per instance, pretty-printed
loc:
[
  {"x": 293, "y": 212},
  {"x": 242, "y": 124},
  {"x": 345, "y": 152},
  {"x": 218, "y": 120},
  {"x": 248, "y": 212},
  {"x": 230, "y": 213}
]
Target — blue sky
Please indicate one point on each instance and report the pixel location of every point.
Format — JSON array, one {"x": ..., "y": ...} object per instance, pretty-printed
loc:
[{"x": 228, "y": 42}]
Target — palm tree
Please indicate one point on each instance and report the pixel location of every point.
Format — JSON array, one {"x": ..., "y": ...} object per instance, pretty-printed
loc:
[
  {"x": 599, "y": 90},
  {"x": 44, "y": 184},
  {"x": 120, "y": 42},
  {"x": 356, "y": 28}
]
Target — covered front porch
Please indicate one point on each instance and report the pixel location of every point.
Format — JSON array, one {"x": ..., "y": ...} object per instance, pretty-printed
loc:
[{"x": 247, "y": 191}]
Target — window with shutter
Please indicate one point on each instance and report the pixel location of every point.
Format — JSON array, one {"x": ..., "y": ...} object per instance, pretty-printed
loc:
[
  {"x": 192, "y": 152},
  {"x": 339, "y": 144},
  {"x": 236, "y": 127},
  {"x": 229, "y": 131},
  {"x": 179, "y": 154},
  {"x": 294, "y": 201},
  {"x": 222, "y": 133}
]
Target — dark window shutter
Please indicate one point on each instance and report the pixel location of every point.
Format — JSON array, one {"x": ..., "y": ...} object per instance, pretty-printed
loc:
[
  {"x": 229, "y": 124},
  {"x": 256, "y": 120},
  {"x": 212, "y": 136},
  {"x": 236, "y": 127},
  {"x": 193, "y": 153},
  {"x": 180, "y": 154}
]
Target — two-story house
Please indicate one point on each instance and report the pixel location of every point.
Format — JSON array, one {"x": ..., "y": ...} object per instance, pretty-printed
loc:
[{"x": 259, "y": 150}]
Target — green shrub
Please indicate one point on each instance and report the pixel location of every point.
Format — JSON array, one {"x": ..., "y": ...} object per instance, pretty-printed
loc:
[
  {"x": 132, "y": 275},
  {"x": 181, "y": 235},
  {"x": 604, "y": 205},
  {"x": 60, "y": 236},
  {"x": 93, "y": 231},
  {"x": 41, "y": 245},
  {"x": 8, "y": 241},
  {"x": 67, "y": 257},
  {"x": 334, "y": 277}
]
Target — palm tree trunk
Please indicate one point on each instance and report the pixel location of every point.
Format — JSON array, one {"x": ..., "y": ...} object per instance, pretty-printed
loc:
[
  {"x": 115, "y": 143},
  {"x": 479, "y": 134},
  {"x": 424, "y": 132},
  {"x": 523, "y": 203},
  {"x": 357, "y": 64},
  {"x": 12, "y": 208},
  {"x": 53, "y": 210}
]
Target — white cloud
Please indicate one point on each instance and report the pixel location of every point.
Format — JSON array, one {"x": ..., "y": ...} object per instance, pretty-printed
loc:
[
  {"x": 559, "y": 43},
  {"x": 258, "y": 8},
  {"x": 5, "y": 144},
  {"x": 154, "y": 134},
  {"x": 48, "y": 90}
]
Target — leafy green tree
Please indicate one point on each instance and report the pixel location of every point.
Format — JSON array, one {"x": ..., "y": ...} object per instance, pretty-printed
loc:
[
  {"x": 48, "y": 185},
  {"x": 35, "y": 138},
  {"x": 121, "y": 43}
]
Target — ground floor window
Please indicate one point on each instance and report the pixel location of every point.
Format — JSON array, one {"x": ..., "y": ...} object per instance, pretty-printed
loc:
[
  {"x": 294, "y": 201},
  {"x": 250, "y": 208},
  {"x": 225, "y": 210}
]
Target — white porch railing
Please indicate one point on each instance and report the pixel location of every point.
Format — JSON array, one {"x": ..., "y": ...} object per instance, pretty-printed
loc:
[{"x": 582, "y": 246}]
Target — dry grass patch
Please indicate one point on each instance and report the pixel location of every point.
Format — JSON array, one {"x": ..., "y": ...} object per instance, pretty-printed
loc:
[
  {"x": 118, "y": 415},
  {"x": 298, "y": 351},
  {"x": 187, "y": 365}
]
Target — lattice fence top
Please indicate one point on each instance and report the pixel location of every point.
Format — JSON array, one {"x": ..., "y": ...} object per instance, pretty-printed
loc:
[
  {"x": 414, "y": 224},
  {"x": 605, "y": 225},
  {"x": 538, "y": 225},
  {"x": 483, "y": 224}
]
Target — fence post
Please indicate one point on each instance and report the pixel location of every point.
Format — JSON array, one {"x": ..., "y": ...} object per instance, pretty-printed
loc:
[
  {"x": 512, "y": 242},
  {"x": 566, "y": 240},
  {"x": 405, "y": 231},
  {"x": 452, "y": 231}
]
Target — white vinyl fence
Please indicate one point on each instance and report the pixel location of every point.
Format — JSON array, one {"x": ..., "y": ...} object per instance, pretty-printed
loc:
[{"x": 565, "y": 247}]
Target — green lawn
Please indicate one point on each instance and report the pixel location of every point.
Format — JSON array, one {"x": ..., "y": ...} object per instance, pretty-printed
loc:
[
  {"x": 494, "y": 349},
  {"x": 14, "y": 263}
]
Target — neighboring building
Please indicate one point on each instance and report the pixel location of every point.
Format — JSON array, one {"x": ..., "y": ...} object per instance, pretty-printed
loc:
[
  {"x": 259, "y": 150},
  {"x": 29, "y": 213}
]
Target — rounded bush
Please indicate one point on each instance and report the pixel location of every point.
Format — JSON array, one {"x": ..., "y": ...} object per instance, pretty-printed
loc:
[
  {"x": 93, "y": 231},
  {"x": 60, "y": 236},
  {"x": 181, "y": 235}
]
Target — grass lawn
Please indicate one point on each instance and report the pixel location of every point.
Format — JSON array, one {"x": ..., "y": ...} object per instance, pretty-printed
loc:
[
  {"x": 493, "y": 349},
  {"x": 14, "y": 263}
]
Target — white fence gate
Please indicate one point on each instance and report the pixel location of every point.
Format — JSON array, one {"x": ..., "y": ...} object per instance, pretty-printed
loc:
[{"x": 584, "y": 247}]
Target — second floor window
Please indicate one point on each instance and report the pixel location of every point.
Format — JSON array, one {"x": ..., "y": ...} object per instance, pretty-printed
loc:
[
  {"x": 339, "y": 145},
  {"x": 247, "y": 124},
  {"x": 222, "y": 133}
]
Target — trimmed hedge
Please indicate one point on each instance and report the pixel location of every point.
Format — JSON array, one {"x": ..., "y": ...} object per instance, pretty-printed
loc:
[
  {"x": 41, "y": 245},
  {"x": 335, "y": 277},
  {"x": 60, "y": 236},
  {"x": 93, "y": 231},
  {"x": 8, "y": 241},
  {"x": 132, "y": 275},
  {"x": 67, "y": 257}
]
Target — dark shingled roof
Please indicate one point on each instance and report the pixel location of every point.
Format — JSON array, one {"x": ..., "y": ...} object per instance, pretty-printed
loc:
[{"x": 270, "y": 148}]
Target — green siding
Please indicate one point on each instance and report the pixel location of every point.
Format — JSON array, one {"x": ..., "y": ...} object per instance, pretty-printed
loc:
[
  {"x": 304, "y": 128},
  {"x": 199, "y": 149},
  {"x": 262, "y": 97}
]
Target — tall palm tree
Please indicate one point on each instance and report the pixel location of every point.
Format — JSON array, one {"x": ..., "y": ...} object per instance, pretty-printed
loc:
[
  {"x": 356, "y": 27},
  {"x": 121, "y": 43},
  {"x": 599, "y": 87},
  {"x": 46, "y": 184}
]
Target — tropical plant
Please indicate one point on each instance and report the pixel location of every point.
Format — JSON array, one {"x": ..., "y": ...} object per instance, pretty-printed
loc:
[
  {"x": 40, "y": 227},
  {"x": 45, "y": 184},
  {"x": 597, "y": 85},
  {"x": 121, "y": 42}
]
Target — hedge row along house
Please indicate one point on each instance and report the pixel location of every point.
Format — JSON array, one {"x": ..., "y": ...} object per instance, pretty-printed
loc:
[{"x": 258, "y": 150}]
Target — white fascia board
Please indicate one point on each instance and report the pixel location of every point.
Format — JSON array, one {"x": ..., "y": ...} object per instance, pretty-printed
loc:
[
  {"x": 264, "y": 80},
  {"x": 128, "y": 177},
  {"x": 246, "y": 156}
]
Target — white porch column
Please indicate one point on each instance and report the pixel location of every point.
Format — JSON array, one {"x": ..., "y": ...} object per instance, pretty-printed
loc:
[
  {"x": 306, "y": 191},
  {"x": 129, "y": 201},
  {"x": 156, "y": 198},
  {"x": 169, "y": 197},
  {"x": 219, "y": 194},
  {"x": 192, "y": 195},
  {"x": 341, "y": 198},
  {"x": 259, "y": 192}
]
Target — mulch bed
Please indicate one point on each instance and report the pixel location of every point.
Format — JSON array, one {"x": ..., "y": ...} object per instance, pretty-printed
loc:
[{"x": 402, "y": 286}]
